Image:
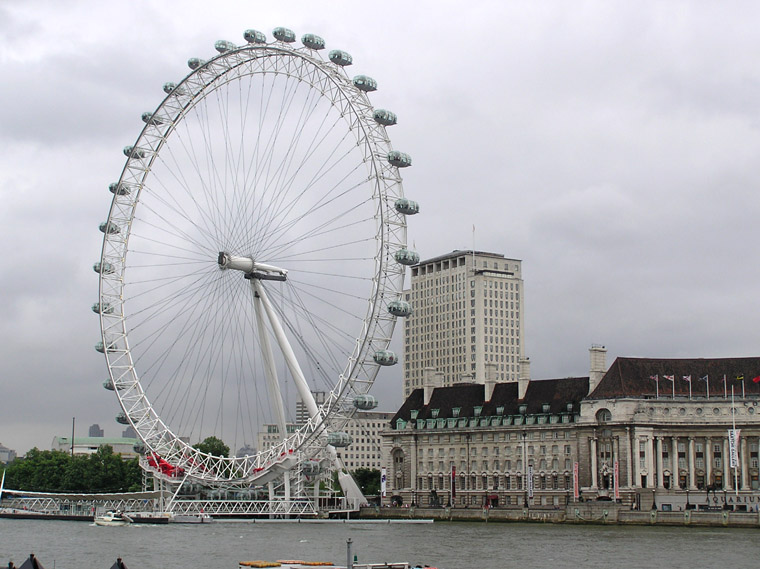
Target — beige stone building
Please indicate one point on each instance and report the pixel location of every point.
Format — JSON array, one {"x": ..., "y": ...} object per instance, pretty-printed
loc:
[
  {"x": 627, "y": 433},
  {"x": 467, "y": 319}
]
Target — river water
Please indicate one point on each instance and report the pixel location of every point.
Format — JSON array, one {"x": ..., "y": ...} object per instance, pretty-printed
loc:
[{"x": 80, "y": 545}]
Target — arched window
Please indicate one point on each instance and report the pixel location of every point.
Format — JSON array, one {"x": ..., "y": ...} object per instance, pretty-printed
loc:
[{"x": 603, "y": 416}]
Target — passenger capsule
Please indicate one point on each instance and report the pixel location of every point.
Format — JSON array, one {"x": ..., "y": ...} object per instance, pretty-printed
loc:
[
  {"x": 195, "y": 62},
  {"x": 407, "y": 207},
  {"x": 311, "y": 467},
  {"x": 399, "y": 159},
  {"x": 313, "y": 41},
  {"x": 407, "y": 257},
  {"x": 139, "y": 448},
  {"x": 108, "y": 227},
  {"x": 108, "y": 384},
  {"x": 383, "y": 117},
  {"x": 132, "y": 152},
  {"x": 122, "y": 418},
  {"x": 341, "y": 58},
  {"x": 339, "y": 439},
  {"x": 169, "y": 87},
  {"x": 100, "y": 347},
  {"x": 385, "y": 357},
  {"x": 148, "y": 118},
  {"x": 103, "y": 268},
  {"x": 365, "y": 402},
  {"x": 400, "y": 308},
  {"x": 118, "y": 189},
  {"x": 284, "y": 34},
  {"x": 254, "y": 36},
  {"x": 102, "y": 308},
  {"x": 223, "y": 46},
  {"x": 364, "y": 83}
]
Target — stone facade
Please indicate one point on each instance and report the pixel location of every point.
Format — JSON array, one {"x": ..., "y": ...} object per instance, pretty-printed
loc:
[{"x": 657, "y": 442}]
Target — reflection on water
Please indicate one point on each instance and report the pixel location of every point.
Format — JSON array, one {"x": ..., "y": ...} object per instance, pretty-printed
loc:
[{"x": 75, "y": 545}]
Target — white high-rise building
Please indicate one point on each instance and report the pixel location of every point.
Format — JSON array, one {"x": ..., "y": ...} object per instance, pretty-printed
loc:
[{"x": 467, "y": 320}]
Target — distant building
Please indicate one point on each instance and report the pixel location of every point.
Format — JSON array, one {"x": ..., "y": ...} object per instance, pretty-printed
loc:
[
  {"x": 7, "y": 455},
  {"x": 467, "y": 320},
  {"x": 90, "y": 445},
  {"x": 96, "y": 431},
  {"x": 247, "y": 450},
  {"x": 302, "y": 412},
  {"x": 270, "y": 435},
  {"x": 129, "y": 433},
  {"x": 365, "y": 449}
]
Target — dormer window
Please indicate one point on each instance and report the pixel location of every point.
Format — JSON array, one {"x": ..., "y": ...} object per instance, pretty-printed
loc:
[
  {"x": 522, "y": 409},
  {"x": 455, "y": 411},
  {"x": 545, "y": 407},
  {"x": 477, "y": 410},
  {"x": 569, "y": 407},
  {"x": 414, "y": 413},
  {"x": 500, "y": 410},
  {"x": 434, "y": 413}
]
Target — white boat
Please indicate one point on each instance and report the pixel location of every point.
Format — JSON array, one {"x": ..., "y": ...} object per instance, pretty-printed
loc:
[{"x": 112, "y": 518}]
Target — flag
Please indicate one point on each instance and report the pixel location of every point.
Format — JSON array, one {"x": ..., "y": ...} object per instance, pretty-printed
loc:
[
  {"x": 670, "y": 377},
  {"x": 703, "y": 379},
  {"x": 740, "y": 377},
  {"x": 687, "y": 378},
  {"x": 756, "y": 379},
  {"x": 655, "y": 378}
]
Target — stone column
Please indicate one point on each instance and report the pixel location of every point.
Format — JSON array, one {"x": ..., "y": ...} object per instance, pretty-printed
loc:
[
  {"x": 632, "y": 455},
  {"x": 594, "y": 468},
  {"x": 616, "y": 457},
  {"x": 658, "y": 450},
  {"x": 727, "y": 478},
  {"x": 651, "y": 480},
  {"x": 744, "y": 461},
  {"x": 413, "y": 465},
  {"x": 675, "y": 476},
  {"x": 708, "y": 461},
  {"x": 692, "y": 460}
]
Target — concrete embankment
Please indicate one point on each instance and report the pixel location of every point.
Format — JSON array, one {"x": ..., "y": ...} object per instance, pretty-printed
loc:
[{"x": 581, "y": 513}]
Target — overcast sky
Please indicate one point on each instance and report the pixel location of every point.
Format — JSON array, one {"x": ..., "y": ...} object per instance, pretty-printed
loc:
[{"x": 612, "y": 146}]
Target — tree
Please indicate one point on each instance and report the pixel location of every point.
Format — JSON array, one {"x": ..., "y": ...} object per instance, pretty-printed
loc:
[
  {"x": 214, "y": 446},
  {"x": 368, "y": 480}
]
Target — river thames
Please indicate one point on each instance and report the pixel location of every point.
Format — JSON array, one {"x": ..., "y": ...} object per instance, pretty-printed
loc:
[{"x": 77, "y": 545}]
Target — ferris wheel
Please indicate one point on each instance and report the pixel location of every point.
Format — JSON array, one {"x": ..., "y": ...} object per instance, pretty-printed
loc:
[{"x": 254, "y": 254}]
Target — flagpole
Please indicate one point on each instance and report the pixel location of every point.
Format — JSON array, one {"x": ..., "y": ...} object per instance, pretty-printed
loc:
[
  {"x": 725, "y": 392},
  {"x": 707, "y": 381},
  {"x": 736, "y": 442},
  {"x": 743, "y": 386},
  {"x": 689, "y": 389},
  {"x": 674, "y": 386}
]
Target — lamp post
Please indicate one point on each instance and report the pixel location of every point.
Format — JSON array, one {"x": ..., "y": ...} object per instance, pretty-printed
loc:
[{"x": 525, "y": 467}]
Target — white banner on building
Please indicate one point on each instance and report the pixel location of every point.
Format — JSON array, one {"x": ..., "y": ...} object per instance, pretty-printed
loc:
[
  {"x": 616, "y": 479},
  {"x": 733, "y": 447},
  {"x": 576, "y": 485},
  {"x": 382, "y": 482},
  {"x": 530, "y": 482}
]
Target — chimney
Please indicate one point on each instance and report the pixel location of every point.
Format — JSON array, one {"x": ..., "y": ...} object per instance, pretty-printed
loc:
[
  {"x": 523, "y": 378},
  {"x": 428, "y": 383},
  {"x": 490, "y": 380},
  {"x": 598, "y": 356}
]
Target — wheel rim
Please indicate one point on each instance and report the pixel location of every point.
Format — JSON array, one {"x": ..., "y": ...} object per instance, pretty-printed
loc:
[{"x": 270, "y": 152}]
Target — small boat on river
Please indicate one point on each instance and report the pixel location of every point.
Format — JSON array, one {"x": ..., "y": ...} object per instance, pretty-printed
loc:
[{"x": 113, "y": 518}]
